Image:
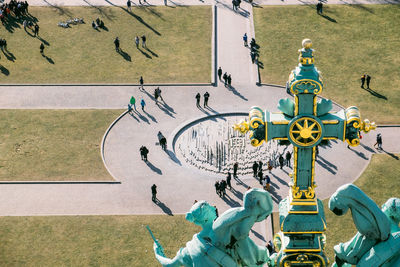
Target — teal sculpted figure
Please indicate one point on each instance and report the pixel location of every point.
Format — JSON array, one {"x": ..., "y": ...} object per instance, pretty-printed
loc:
[
  {"x": 377, "y": 242},
  {"x": 223, "y": 241}
]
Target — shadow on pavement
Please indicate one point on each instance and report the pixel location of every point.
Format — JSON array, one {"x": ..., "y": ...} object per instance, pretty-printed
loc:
[
  {"x": 173, "y": 157},
  {"x": 259, "y": 236},
  {"x": 163, "y": 207},
  {"x": 154, "y": 168}
]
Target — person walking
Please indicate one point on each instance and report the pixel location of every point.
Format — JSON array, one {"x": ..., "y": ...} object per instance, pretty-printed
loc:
[
  {"x": 260, "y": 165},
  {"x": 142, "y": 103},
  {"x": 378, "y": 141},
  {"x": 368, "y": 79},
  {"x": 222, "y": 186},
  {"x": 219, "y": 73},
  {"x": 41, "y": 48},
  {"x": 288, "y": 157},
  {"x": 245, "y": 40},
  {"x": 141, "y": 82},
  {"x": 165, "y": 2},
  {"x": 128, "y": 5},
  {"x": 260, "y": 175},
  {"x": 198, "y": 99},
  {"x": 235, "y": 169},
  {"x": 144, "y": 41},
  {"x": 281, "y": 161},
  {"x": 225, "y": 77},
  {"x": 206, "y": 96},
  {"x": 319, "y": 7},
  {"x": 133, "y": 102},
  {"x": 154, "y": 193},
  {"x": 228, "y": 180},
  {"x": 141, "y": 152},
  {"x": 229, "y": 80},
  {"x": 267, "y": 181},
  {"x": 137, "y": 42},
  {"x": 145, "y": 153},
  {"x": 363, "y": 81},
  {"x": 159, "y": 93},
  {"x": 36, "y": 30},
  {"x": 116, "y": 43},
  {"x": 217, "y": 188},
  {"x": 255, "y": 169}
]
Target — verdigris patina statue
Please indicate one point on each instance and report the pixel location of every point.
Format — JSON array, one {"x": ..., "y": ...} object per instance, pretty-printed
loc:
[
  {"x": 223, "y": 241},
  {"x": 377, "y": 242}
]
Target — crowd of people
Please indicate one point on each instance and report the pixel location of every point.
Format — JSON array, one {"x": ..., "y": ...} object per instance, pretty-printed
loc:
[{"x": 18, "y": 8}]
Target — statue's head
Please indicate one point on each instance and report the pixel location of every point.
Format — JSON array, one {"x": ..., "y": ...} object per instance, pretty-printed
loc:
[
  {"x": 201, "y": 213},
  {"x": 391, "y": 208},
  {"x": 258, "y": 202}
]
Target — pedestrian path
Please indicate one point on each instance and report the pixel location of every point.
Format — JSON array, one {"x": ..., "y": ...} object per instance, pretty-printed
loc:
[{"x": 178, "y": 185}]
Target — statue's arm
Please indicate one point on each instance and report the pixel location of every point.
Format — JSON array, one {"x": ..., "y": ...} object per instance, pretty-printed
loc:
[{"x": 166, "y": 262}]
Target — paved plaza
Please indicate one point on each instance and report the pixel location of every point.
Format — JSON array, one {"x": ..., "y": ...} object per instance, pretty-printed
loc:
[{"x": 178, "y": 183}]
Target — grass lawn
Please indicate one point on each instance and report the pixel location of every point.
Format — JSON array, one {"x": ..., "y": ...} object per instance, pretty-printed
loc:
[
  {"x": 178, "y": 41},
  {"x": 350, "y": 40},
  {"x": 124, "y": 241},
  {"x": 53, "y": 145},
  {"x": 89, "y": 240}
]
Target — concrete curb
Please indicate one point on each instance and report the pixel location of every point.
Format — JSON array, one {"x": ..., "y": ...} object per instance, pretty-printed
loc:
[{"x": 104, "y": 140}]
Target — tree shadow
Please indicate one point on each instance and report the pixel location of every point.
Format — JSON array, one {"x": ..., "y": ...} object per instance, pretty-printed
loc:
[
  {"x": 154, "y": 168},
  {"x": 101, "y": 10},
  {"x": 4, "y": 70},
  {"x": 59, "y": 9},
  {"x": 374, "y": 93},
  {"x": 163, "y": 207},
  {"x": 235, "y": 92},
  {"x": 391, "y": 154},
  {"x": 260, "y": 64},
  {"x": 144, "y": 53},
  {"x": 125, "y": 55},
  {"x": 173, "y": 157},
  {"x": 138, "y": 18},
  {"x": 359, "y": 6},
  {"x": 154, "y": 12}
]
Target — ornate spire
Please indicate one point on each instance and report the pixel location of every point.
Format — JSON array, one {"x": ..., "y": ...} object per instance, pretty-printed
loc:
[{"x": 305, "y": 79}]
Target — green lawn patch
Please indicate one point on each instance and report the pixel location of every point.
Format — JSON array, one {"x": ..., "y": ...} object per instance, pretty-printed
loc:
[
  {"x": 53, "y": 145},
  {"x": 349, "y": 41},
  {"x": 89, "y": 240},
  {"x": 178, "y": 41}
]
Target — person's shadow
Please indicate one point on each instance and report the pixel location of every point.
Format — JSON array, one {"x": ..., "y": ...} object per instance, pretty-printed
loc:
[
  {"x": 376, "y": 94},
  {"x": 153, "y": 168},
  {"x": 4, "y": 70},
  {"x": 125, "y": 55},
  {"x": 49, "y": 59},
  {"x": 164, "y": 208}
]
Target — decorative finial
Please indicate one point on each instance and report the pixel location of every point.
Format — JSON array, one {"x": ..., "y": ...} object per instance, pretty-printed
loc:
[
  {"x": 306, "y": 53},
  {"x": 306, "y": 43}
]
